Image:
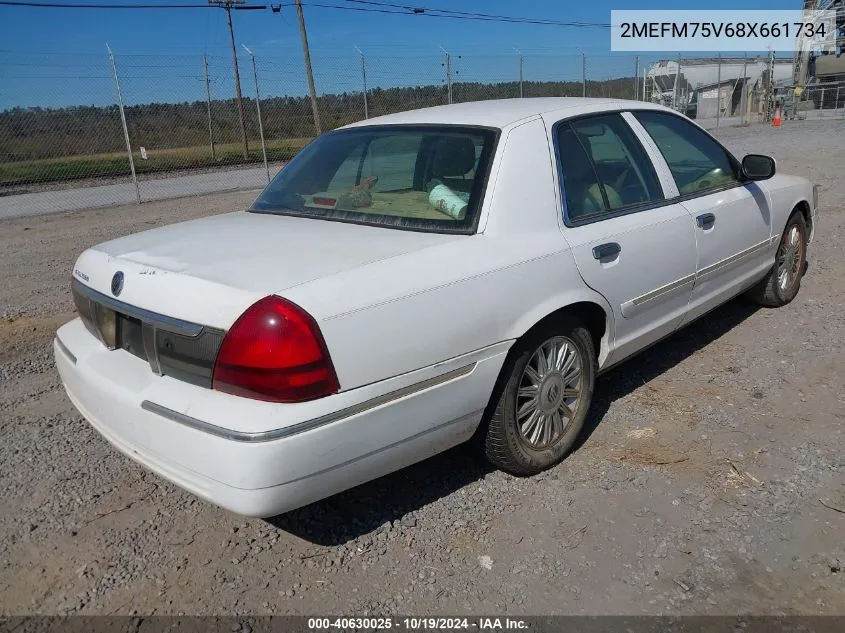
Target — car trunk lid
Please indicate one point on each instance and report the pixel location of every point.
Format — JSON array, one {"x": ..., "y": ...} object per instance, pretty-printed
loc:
[{"x": 210, "y": 270}]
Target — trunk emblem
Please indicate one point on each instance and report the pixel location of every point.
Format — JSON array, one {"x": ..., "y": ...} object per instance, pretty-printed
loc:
[{"x": 117, "y": 283}]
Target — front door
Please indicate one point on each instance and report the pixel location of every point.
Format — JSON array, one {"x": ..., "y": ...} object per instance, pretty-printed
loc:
[
  {"x": 733, "y": 220},
  {"x": 630, "y": 244}
]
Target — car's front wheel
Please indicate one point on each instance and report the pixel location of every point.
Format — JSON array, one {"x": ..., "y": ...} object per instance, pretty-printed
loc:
[
  {"x": 544, "y": 402},
  {"x": 783, "y": 281}
]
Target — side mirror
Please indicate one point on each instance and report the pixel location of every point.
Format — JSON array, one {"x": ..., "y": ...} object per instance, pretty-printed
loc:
[{"x": 758, "y": 167}]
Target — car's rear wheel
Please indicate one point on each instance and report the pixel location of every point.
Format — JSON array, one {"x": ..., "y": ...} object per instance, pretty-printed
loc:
[
  {"x": 542, "y": 405},
  {"x": 782, "y": 282}
]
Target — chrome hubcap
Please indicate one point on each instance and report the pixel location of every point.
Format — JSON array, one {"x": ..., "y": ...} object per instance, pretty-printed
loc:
[
  {"x": 789, "y": 258},
  {"x": 549, "y": 392}
]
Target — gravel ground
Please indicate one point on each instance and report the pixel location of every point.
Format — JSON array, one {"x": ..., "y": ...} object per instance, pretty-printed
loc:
[{"x": 706, "y": 484}]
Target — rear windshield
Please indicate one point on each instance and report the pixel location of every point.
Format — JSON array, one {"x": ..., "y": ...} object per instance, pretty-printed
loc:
[{"x": 424, "y": 178}]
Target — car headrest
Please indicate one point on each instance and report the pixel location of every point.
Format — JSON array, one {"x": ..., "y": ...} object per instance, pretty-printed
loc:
[{"x": 453, "y": 156}]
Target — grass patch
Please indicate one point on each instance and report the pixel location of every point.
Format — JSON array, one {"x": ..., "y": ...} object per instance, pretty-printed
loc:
[{"x": 165, "y": 160}]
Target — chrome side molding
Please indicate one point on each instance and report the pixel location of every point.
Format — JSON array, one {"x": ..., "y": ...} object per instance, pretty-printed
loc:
[
  {"x": 65, "y": 350},
  {"x": 733, "y": 259},
  {"x": 307, "y": 425},
  {"x": 630, "y": 308}
]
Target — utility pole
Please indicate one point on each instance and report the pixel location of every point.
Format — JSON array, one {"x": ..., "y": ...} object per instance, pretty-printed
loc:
[
  {"x": 364, "y": 79},
  {"x": 208, "y": 107},
  {"x": 645, "y": 71},
  {"x": 636, "y": 76},
  {"x": 308, "y": 72},
  {"x": 718, "y": 89},
  {"x": 448, "y": 74},
  {"x": 258, "y": 110},
  {"x": 675, "y": 86},
  {"x": 519, "y": 52},
  {"x": 125, "y": 127},
  {"x": 583, "y": 74},
  {"x": 744, "y": 95},
  {"x": 227, "y": 5}
]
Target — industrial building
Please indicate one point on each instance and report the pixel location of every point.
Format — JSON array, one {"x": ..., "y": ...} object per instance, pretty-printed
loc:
[
  {"x": 813, "y": 78},
  {"x": 816, "y": 65},
  {"x": 704, "y": 85}
]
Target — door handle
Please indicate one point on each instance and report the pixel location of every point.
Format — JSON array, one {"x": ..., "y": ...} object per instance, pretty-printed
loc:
[
  {"x": 606, "y": 251},
  {"x": 706, "y": 221}
]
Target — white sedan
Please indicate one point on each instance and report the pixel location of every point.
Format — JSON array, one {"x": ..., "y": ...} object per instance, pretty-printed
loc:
[{"x": 412, "y": 280}]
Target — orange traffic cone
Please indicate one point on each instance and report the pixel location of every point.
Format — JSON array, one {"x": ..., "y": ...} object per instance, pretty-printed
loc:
[{"x": 776, "y": 122}]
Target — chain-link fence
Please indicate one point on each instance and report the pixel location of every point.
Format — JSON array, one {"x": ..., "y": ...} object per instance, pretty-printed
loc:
[
  {"x": 826, "y": 99},
  {"x": 166, "y": 126}
]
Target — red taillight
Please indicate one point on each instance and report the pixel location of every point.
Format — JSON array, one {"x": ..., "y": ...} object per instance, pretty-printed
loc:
[{"x": 275, "y": 352}]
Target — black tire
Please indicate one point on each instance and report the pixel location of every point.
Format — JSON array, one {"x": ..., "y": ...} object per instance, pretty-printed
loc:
[
  {"x": 769, "y": 291},
  {"x": 504, "y": 443}
]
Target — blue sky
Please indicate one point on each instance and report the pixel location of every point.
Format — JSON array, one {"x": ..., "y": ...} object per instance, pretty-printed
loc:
[{"x": 51, "y": 57}]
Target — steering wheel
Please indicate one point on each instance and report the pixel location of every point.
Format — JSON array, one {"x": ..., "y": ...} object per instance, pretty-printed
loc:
[{"x": 705, "y": 181}]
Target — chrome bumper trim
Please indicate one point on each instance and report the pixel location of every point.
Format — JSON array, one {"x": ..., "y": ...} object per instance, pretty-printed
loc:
[{"x": 301, "y": 427}]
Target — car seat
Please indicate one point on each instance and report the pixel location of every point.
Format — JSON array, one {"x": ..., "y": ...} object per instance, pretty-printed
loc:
[{"x": 453, "y": 157}]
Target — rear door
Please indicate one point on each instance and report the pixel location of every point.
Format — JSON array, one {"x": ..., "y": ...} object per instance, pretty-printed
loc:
[
  {"x": 630, "y": 243},
  {"x": 733, "y": 219}
]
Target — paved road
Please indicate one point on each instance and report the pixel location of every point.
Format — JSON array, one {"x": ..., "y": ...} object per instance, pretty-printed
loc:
[{"x": 45, "y": 202}]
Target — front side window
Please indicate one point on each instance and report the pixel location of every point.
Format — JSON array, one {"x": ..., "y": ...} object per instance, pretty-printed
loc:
[
  {"x": 428, "y": 178},
  {"x": 604, "y": 168},
  {"x": 697, "y": 162}
]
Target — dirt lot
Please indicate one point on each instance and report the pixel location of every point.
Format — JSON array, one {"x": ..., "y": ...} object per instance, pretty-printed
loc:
[{"x": 712, "y": 478}]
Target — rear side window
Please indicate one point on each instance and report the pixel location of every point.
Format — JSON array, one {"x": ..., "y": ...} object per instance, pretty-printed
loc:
[
  {"x": 697, "y": 162},
  {"x": 604, "y": 168},
  {"x": 428, "y": 178}
]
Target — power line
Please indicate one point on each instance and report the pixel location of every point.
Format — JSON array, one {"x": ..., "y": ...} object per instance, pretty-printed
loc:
[
  {"x": 58, "y": 5},
  {"x": 370, "y": 7},
  {"x": 455, "y": 16},
  {"x": 435, "y": 12}
]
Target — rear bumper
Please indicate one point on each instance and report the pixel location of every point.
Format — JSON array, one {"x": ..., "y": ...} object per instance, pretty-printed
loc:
[{"x": 264, "y": 477}]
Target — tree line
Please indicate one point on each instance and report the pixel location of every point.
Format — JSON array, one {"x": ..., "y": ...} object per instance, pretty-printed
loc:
[{"x": 39, "y": 133}]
